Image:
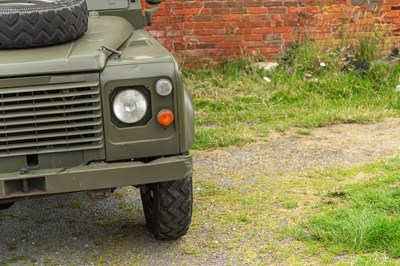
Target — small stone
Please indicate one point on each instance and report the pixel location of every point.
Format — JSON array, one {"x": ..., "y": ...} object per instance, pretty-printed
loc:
[
  {"x": 308, "y": 75},
  {"x": 267, "y": 79},
  {"x": 267, "y": 66}
]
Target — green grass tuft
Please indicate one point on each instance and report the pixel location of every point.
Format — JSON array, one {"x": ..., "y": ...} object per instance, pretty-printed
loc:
[{"x": 368, "y": 220}]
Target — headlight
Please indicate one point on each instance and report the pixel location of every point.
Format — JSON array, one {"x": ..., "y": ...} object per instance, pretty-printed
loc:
[
  {"x": 164, "y": 87},
  {"x": 130, "y": 106}
]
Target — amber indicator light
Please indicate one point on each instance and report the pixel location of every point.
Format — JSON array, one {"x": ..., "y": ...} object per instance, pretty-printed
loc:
[{"x": 165, "y": 117}]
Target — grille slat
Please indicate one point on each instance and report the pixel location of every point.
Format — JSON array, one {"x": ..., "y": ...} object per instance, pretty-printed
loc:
[
  {"x": 50, "y": 87},
  {"x": 38, "y": 129},
  {"x": 51, "y": 135},
  {"x": 47, "y": 120},
  {"x": 47, "y": 143},
  {"x": 37, "y": 97},
  {"x": 44, "y": 104},
  {"x": 50, "y": 118},
  {"x": 94, "y": 107},
  {"x": 20, "y": 152}
]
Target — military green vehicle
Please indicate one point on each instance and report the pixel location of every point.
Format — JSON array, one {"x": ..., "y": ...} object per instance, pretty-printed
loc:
[{"x": 89, "y": 101}]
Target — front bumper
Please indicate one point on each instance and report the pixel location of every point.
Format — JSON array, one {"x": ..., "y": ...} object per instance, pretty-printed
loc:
[{"x": 94, "y": 176}]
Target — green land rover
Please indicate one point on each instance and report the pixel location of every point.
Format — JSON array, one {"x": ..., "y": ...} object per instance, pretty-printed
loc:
[{"x": 89, "y": 101}]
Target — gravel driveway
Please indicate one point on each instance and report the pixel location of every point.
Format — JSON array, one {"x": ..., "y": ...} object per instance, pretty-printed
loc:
[{"x": 72, "y": 229}]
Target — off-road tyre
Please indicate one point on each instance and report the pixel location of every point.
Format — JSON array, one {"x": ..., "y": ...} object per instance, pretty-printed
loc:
[
  {"x": 7, "y": 205},
  {"x": 41, "y": 23},
  {"x": 168, "y": 208}
]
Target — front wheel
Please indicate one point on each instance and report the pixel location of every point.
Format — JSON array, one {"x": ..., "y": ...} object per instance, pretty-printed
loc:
[{"x": 168, "y": 207}]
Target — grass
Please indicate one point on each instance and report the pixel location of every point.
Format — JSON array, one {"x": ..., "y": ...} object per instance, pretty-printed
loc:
[
  {"x": 234, "y": 105},
  {"x": 363, "y": 218}
]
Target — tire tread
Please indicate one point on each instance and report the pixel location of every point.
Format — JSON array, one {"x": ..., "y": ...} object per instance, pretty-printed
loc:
[
  {"x": 42, "y": 25},
  {"x": 173, "y": 200}
]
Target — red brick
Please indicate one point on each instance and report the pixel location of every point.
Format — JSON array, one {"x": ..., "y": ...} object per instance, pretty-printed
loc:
[
  {"x": 295, "y": 9},
  {"x": 282, "y": 30},
  {"x": 214, "y": 38},
  {"x": 216, "y": 25},
  {"x": 290, "y": 3},
  {"x": 269, "y": 3},
  {"x": 203, "y": 32},
  {"x": 171, "y": 33},
  {"x": 289, "y": 37},
  {"x": 277, "y": 10},
  {"x": 253, "y": 37},
  {"x": 233, "y": 38},
  {"x": 216, "y": 11},
  {"x": 257, "y": 10},
  {"x": 253, "y": 3},
  {"x": 238, "y": 11},
  {"x": 232, "y": 17},
  {"x": 202, "y": 18},
  {"x": 193, "y": 11},
  {"x": 192, "y": 4},
  {"x": 264, "y": 30},
  {"x": 214, "y": 4},
  {"x": 255, "y": 44},
  {"x": 235, "y": 4}
]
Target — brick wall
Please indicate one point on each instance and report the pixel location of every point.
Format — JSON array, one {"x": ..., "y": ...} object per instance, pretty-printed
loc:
[{"x": 217, "y": 30}]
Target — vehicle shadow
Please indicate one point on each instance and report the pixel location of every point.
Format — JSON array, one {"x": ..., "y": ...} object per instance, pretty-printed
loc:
[{"x": 75, "y": 229}]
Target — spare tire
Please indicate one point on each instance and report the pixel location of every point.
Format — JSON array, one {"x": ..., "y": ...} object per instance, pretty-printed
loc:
[{"x": 34, "y": 23}]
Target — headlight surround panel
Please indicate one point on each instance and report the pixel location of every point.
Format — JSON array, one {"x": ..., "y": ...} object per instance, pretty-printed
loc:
[{"x": 143, "y": 91}]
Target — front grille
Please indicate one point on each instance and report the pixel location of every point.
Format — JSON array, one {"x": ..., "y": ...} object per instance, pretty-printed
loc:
[{"x": 50, "y": 118}]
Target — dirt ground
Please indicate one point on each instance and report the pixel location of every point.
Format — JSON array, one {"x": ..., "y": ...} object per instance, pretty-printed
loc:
[{"x": 230, "y": 225}]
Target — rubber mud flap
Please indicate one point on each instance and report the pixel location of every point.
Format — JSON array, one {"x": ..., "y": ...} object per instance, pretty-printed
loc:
[{"x": 36, "y": 23}]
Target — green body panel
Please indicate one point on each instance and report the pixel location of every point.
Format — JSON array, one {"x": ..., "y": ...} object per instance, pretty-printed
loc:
[
  {"x": 118, "y": 158},
  {"x": 93, "y": 176},
  {"x": 81, "y": 55}
]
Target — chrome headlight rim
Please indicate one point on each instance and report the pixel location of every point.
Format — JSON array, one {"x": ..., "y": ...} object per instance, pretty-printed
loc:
[{"x": 117, "y": 121}]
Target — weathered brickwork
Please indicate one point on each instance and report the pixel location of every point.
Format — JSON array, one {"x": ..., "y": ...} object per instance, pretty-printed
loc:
[{"x": 217, "y": 30}]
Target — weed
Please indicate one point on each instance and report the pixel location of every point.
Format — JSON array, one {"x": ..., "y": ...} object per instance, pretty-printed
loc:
[
  {"x": 289, "y": 205},
  {"x": 76, "y": 205},
  {"x": 213, "y": 244},
  {"x": 303, "y": 132},
  {"x": 12, "y": 246},
  {"x": 190, "y": 250},
  {"x": 243, "y": 218}
]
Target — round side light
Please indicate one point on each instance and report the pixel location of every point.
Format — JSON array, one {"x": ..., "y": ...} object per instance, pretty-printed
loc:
[{"x": 164, "y": 87}]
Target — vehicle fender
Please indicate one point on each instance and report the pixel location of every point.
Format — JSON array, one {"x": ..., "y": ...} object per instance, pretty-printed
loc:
[{"x": 189, "y": 136}]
